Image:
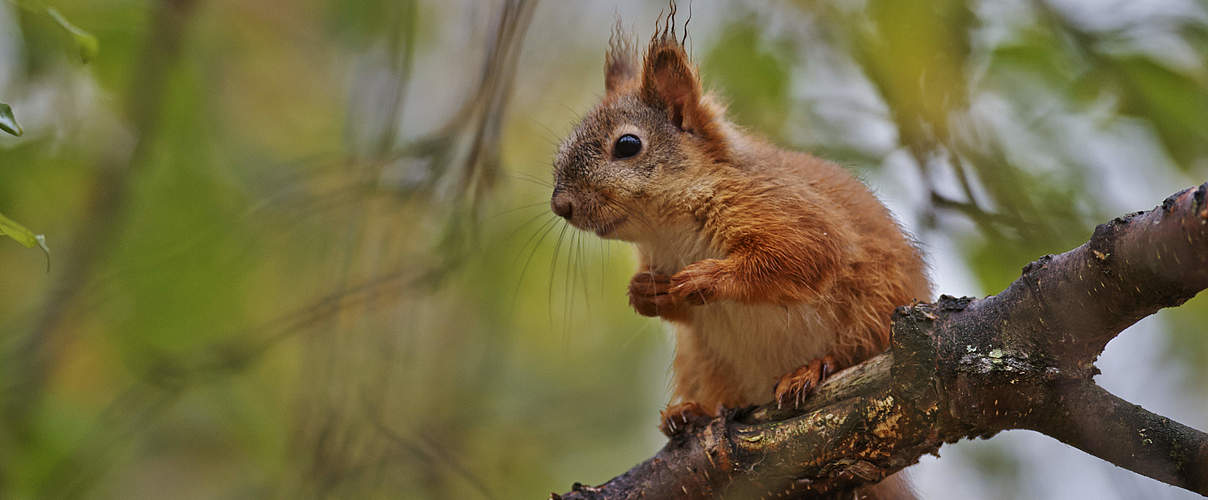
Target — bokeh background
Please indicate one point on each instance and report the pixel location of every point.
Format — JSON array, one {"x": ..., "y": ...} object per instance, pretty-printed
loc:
[{"x": 303, "y": 249}]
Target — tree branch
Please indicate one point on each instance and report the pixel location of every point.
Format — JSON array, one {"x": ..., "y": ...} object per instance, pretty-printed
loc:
[
  {"x": 1097, "y": 422},
  {"x": 962, "y": 368}
]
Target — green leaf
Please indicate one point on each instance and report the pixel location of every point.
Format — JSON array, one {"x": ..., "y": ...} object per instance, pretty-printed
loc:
[
  {"x": 87, "y": 43},
  {"x": 8, "y": 122},
  {"x": 20, "y": 234}
]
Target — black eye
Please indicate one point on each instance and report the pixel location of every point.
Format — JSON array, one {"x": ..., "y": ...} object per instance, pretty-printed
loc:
[{"x": 628, "y": 145}]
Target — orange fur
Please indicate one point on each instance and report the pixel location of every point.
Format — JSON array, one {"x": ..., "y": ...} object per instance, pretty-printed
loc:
[
  {"x": 775, "y": 257},
  {"x": 764, "y": 259}
]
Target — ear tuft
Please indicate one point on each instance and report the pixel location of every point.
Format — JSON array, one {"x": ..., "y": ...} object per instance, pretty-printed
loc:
[
  {"x": 620, "y": 66},
  {"x": 669, "y": 81}
]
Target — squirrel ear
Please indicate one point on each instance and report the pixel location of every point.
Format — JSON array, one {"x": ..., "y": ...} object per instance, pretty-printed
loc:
[
  {"x": 619, "y": 66},
  {"x": 670, "y": 81}
]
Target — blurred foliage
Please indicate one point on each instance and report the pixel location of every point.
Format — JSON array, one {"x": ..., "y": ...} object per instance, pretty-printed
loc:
[
  {"x": 8, "y": 122},
  {"x": 754, "y": 74},
  {"x": 20, "y": 234},
  {"x": 9, "y": 227},
  {"x": 86, "y": 43},
  {"x": 915, "y": 53},
  {"x": 307, "y": 251}
]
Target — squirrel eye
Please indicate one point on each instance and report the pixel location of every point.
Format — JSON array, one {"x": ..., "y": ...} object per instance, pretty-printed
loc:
[{"x": 626, "y": 146}]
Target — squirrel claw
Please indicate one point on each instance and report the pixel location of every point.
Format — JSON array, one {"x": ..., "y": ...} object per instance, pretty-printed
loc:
[
  {"x": 794, "y": 387},
  {"x": 679, "y": 418}
]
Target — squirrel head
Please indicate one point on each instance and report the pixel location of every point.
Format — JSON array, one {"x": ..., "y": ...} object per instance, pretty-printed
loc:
[{"x": 625, "y": 170}]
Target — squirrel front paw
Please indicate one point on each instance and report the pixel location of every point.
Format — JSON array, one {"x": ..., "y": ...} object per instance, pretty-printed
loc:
[
  {"x": 697, "y": 283},
  {"x": 649, "y": 294},
  {"x": 679, "y": 418},
  {"x": 655, "y": 294},
  {"x": 794, "y": 387}
]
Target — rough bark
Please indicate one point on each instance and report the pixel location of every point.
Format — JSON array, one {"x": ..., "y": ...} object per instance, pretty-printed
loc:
[{"x": 963, "y": 368}]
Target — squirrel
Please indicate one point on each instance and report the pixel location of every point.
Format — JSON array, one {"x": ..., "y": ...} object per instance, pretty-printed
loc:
[{"x": 776, "y": 267}]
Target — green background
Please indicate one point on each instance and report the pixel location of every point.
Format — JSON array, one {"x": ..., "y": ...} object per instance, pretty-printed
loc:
[{"x": 303, "y": 249}]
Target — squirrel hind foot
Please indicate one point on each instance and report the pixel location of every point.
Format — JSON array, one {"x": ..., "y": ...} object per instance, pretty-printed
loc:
[
  {"x": 682, "y": 417},
  {"x": 795, "y": 387}
]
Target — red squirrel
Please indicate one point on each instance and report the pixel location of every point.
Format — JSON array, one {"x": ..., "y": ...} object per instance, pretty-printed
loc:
[{"x": 776, "y": 267}]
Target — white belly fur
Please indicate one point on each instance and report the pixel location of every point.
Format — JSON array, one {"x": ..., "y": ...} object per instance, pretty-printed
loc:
[{"x": 766, "y": 340}]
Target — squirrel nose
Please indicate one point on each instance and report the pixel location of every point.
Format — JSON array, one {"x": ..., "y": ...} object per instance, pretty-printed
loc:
[{"x": 562, "y": 205}]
